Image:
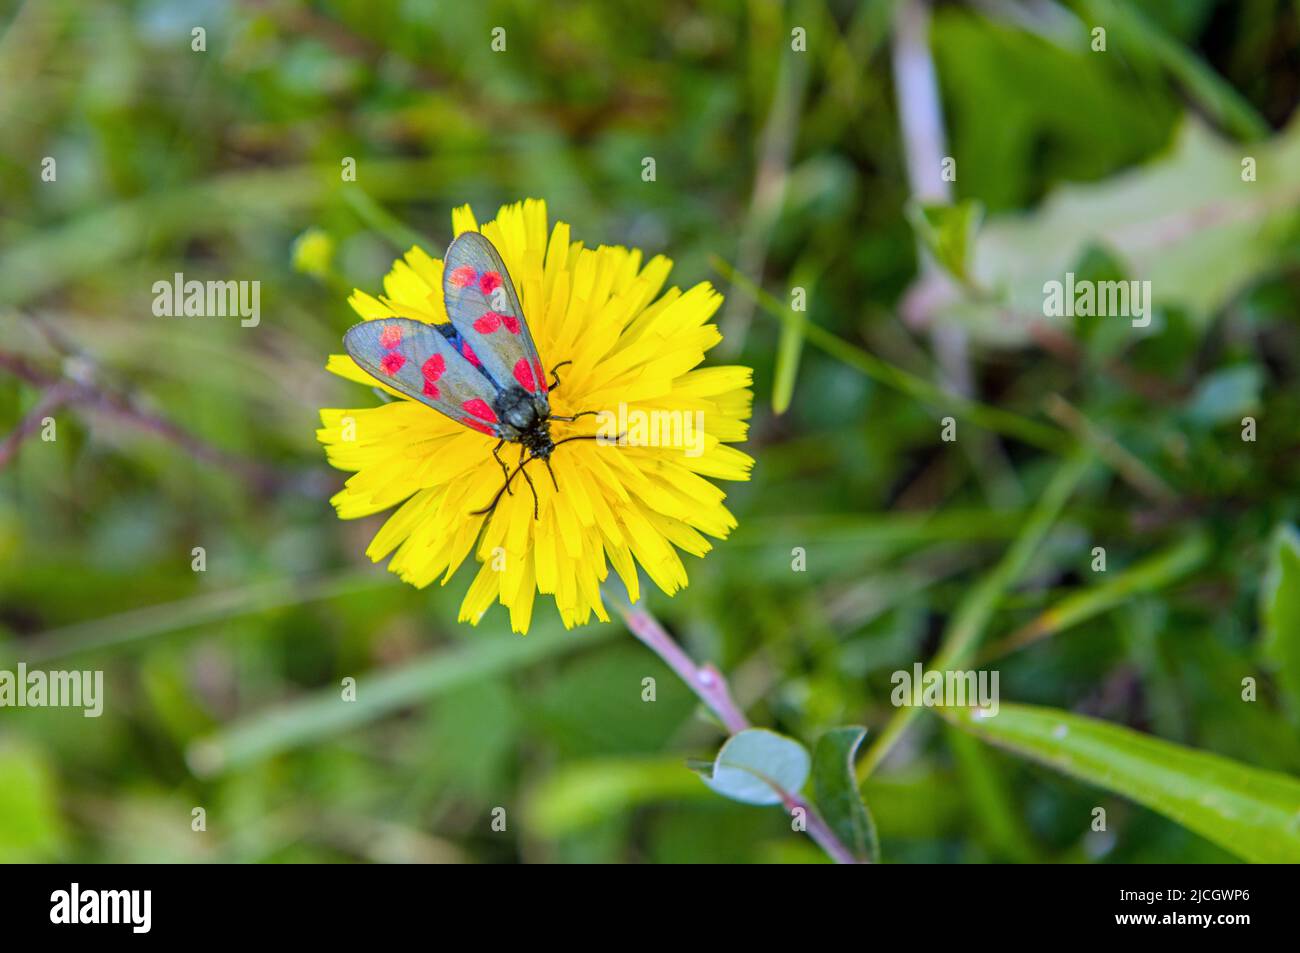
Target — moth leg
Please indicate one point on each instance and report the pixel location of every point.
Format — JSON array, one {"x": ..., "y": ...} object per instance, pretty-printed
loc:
[
  {"x": 547, "y": 461},
  {"x": 491, "y": 507},
  {"x": 487, "y": 510},
  {"x": 522, "y": 461},
  {"x": 505, "y": 470},
  {"x": 556, "y": 382}
]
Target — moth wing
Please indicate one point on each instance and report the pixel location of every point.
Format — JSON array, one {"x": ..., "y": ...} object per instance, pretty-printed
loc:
[
  {"x": 416, "y": 359},
  {"x": 484, "y": 308}
]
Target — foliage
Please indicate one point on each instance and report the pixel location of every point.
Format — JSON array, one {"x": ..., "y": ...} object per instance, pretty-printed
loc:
[{"x": 223, "y": 687}]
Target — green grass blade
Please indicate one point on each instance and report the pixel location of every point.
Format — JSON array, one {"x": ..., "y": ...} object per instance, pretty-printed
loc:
[
  {"x": 976, "y": 608},
  {"x": 992, "y": 418},
  {"x": 788, "y": 349},
  {"x": 1281, "y": 614},
  {"x": 1150, "y": 575},
  {"x": 1218, "y": 97},
  {"x": 1253, "y": 813},
  {"x": 125, "y": 628},
  {"x": 324, "y": 713}
]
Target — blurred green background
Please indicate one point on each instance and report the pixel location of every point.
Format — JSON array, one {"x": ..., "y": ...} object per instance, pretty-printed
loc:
[{"x": 223, "y": 686}]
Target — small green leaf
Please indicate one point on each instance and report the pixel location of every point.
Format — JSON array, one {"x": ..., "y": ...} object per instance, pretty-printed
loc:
[
  {"x": 758, "y": 766},
  {"x": 1281, "y": 612},
  {"x": 1225, "y": 395},
  {"x": 1251, "y": 812},
  {"x": 836, "y": 790},
  {"x": 788, "y": 349},
  {"x": 948, "y": 231},
  {"x": 30, "y": 827}
]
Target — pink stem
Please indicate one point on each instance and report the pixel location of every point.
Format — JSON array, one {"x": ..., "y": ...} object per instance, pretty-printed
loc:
[{"x": 710, "y": 687}]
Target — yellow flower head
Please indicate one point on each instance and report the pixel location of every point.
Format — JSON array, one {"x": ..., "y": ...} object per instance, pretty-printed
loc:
[{"x": 636, "y": 497}]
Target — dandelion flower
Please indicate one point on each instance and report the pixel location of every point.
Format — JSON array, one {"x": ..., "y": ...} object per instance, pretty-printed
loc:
[{"x": 634, "y": 352}]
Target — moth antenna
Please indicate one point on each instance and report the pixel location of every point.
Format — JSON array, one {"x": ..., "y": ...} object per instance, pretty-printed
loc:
[
  {"x": 581, "y": 413},
  {"x": 589, "y": 436},
  {"x": 556, "y": 382}
]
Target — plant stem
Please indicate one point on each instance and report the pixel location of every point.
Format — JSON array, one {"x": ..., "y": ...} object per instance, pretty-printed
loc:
[
  {"x": 1129, "y": 467},
  {"x": 376, "y": 217},
  {"x": 711, "y": 687},
  {"x": 126, "y": 406}
]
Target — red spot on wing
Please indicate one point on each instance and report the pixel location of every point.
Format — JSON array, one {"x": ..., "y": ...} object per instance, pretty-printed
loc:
[
  {"x": 390, "y": 337},
  {"x": 478, "y": 425},
  {"x": 489, "y": 321},
  {"x": 433, "y": 368},
  {"x": 541, "y": 375},
  {"x": 431, "y": 390},
  {"x": 392, "y": 363},
  {"x": 468, "y": 353},
  {"x": 524, "y": 375},
  {"x": 479, "y": 408},
  {"x": 489, "y": 282},
  {"x": 462, "y": 277}
]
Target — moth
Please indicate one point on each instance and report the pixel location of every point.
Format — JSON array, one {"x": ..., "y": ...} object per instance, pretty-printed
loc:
[{"x": 482, "y": 369}]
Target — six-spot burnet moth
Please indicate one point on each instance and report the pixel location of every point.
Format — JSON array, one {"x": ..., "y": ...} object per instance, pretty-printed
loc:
[{"x": 482, "y": 370}]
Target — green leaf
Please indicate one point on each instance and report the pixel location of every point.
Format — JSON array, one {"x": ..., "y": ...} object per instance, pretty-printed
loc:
[
  {"x": 1281, "y": 612},
  {"x": 579, "y": 796},
  {"x": 758, "y": 766},
  {"x": 1140, "y": 35},
  {"x": 836, "y": 791},
  {"x": 1052, "y": 103},
  {"x": 30, "y": 829},
  {"x": 948, "y": 231},
  {"x": 1226, "y": 395},
  {"x": 1187, "y": 223},
  {"x": 788, "y": 348},
  {"x": 1249, "y": 811}
]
